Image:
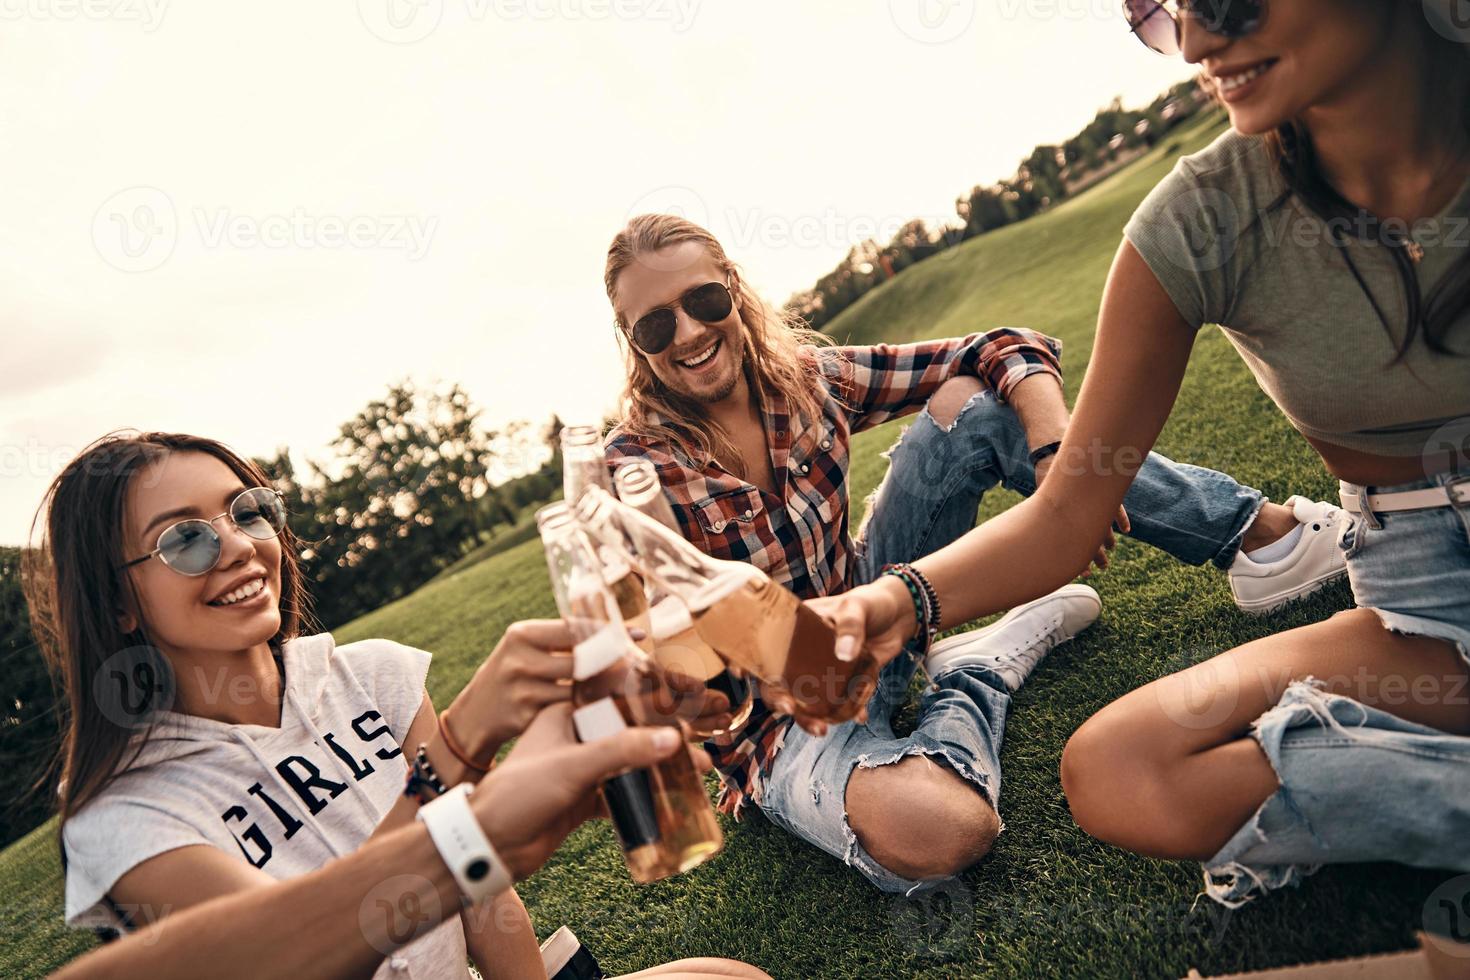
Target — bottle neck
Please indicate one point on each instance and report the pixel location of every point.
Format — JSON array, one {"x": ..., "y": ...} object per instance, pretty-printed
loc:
[{"x": 662, "y": 555}]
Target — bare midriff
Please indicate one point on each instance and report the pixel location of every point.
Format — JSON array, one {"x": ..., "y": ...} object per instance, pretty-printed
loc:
[{"x": 1371, "y": 470}]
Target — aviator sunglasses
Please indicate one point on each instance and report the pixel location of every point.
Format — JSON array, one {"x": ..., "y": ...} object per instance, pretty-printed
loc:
[
  {"x": 710, "y": 303},
  {"x": 192, "y": 547},
  {"x": 1158, "y": 26}
]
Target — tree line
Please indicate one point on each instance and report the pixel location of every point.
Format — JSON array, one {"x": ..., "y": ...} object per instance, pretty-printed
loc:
[{"x": 1048, "y": 176}]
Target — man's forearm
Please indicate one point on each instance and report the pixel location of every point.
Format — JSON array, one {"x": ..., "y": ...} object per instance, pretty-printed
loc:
[
  {"x": 1037, "y": 401},
  {"x": 339, "y": 921}
]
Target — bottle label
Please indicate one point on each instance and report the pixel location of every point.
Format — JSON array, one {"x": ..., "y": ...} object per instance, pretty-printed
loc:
[
  {"x": 669, "y": 618},
  {"x": 598, "y": 652},
  {"x": 597, "y": 720}
]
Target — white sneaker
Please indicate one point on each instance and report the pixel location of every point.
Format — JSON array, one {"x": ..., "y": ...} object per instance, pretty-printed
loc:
[
  {"x": 1013, "y": 645},
  {"x": 1315, "y": 561}
]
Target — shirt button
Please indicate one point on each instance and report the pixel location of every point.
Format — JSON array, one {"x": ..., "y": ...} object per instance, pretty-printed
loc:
[
  {"x": 749, "y": 514},
  {"x": 806, "y": 467},
  {"x": 719, "y": 525},
  {"x": 826, "y": 444}
]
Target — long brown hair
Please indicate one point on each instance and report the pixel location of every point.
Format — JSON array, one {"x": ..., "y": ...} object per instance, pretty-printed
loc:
[
  {"x": 777, "y": 344},
  {"x": 75, "y": 589},
  {"x": 1447, "y": 71}
]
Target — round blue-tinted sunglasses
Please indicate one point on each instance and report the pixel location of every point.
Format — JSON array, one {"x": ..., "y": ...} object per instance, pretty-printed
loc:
[{"x": 192, "y": 547}]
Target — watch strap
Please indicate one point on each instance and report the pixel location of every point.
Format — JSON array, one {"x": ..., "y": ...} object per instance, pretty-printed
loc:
[{"x": 461, "y": 842}]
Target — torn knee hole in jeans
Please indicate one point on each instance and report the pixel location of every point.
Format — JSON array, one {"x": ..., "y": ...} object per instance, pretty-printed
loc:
[
  {"x": 1232, "y": 882},
  {"x": 948, "y": 427},
  {"x": 856, "y": 855}
]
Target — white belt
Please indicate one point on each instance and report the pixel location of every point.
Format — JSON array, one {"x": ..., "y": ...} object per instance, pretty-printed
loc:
[{"x": 1454, "y": 495}]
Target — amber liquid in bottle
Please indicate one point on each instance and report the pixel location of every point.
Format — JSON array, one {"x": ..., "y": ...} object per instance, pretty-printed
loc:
[
  {"x": 757, "y": 624},
  {"x": 662, "y": 814},
  {"x": 627, "y": 590},
  {"x": 693, "y": 670}
]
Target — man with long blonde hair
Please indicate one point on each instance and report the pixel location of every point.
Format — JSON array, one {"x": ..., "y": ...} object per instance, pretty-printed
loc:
[{"x": 747, "y": 417}]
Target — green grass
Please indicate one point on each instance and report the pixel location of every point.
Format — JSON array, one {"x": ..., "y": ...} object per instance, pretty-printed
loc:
[{"x": 1048, "y": 901}]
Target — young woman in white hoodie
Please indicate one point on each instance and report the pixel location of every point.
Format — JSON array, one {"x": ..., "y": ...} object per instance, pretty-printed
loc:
[{"x": 212, "y": 750}]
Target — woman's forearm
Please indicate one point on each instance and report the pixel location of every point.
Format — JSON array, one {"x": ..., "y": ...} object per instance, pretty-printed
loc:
[
  {"x": 340, "y": 921},
  {"x": 1138, "y": 363},
  {"x": 501, "y": 939},
  {"x": 1028, "y": 551}
]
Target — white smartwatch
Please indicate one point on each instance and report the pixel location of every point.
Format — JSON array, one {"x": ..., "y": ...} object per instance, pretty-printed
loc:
[{"x": 467, "y": 852}]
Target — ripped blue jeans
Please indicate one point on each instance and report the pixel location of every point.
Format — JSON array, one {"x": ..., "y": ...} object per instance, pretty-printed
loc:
[
  {"x": 1358, "y": 783},
  {"x": 930, "y": 496}
]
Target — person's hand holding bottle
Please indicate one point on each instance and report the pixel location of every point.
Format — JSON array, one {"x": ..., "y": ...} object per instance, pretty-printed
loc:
[
  {"x": 547, "y": 786},
  {"x": 529, "y": 669}
]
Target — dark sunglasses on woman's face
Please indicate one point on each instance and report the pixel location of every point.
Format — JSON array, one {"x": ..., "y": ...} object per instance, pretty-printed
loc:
[
  {"x": 192, "y": 547},
  {"x": 1158, "y": 26},
  {"x": 710, "y": 303}
]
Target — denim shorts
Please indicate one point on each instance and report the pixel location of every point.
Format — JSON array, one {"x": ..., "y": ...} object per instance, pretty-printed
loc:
[
  {"x": 1412, "y": 567},
  {"x": 1357, "y": 783}
]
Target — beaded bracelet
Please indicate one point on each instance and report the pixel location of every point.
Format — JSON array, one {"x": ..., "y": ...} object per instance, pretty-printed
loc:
[
  {"x": 926, "y": 604},
  {"x": 421, "y": 777}
]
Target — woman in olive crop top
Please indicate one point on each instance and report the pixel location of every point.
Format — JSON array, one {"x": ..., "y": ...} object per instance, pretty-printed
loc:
[{"x": 1328, "y": 234}]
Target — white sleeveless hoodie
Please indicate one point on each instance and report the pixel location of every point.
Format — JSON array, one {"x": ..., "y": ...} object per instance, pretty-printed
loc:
[{"x": 287, "y": 799}]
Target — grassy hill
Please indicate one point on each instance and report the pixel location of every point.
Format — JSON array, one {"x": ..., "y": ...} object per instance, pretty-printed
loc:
[{"x": 1049, "y": 901}]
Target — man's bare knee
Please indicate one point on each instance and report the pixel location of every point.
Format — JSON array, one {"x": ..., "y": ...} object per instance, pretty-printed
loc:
[
  {"x": 946, "y": 404},
  {"x": 920, "y": 819}
]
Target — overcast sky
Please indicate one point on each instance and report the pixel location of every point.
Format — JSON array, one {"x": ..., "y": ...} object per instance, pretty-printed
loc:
[{"x": 245, "y": 220}]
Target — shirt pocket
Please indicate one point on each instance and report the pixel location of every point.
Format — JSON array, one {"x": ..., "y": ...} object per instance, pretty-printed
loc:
[{"x": 726, "y": 517}]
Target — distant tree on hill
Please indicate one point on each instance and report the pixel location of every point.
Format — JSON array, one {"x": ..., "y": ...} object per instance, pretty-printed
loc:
[{"x": 1042, "y": 180}]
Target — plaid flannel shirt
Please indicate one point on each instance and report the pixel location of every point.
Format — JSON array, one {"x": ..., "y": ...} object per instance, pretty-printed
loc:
[{"x": 799, "y": 535}]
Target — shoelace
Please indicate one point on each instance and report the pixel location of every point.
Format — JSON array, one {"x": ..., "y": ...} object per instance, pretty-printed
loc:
[{"x": 1040, "y": 645}]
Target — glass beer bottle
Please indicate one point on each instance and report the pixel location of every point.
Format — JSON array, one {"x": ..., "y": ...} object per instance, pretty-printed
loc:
[
  {"x": 662, "y": 815},
  {"x": 739, "y": 611},
  {"x": 583, "y": 465},
  {"x": 690, "y": 665}
]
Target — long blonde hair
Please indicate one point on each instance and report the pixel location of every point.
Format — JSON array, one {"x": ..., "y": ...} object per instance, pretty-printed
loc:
[{"x": 778, "y": 355}]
